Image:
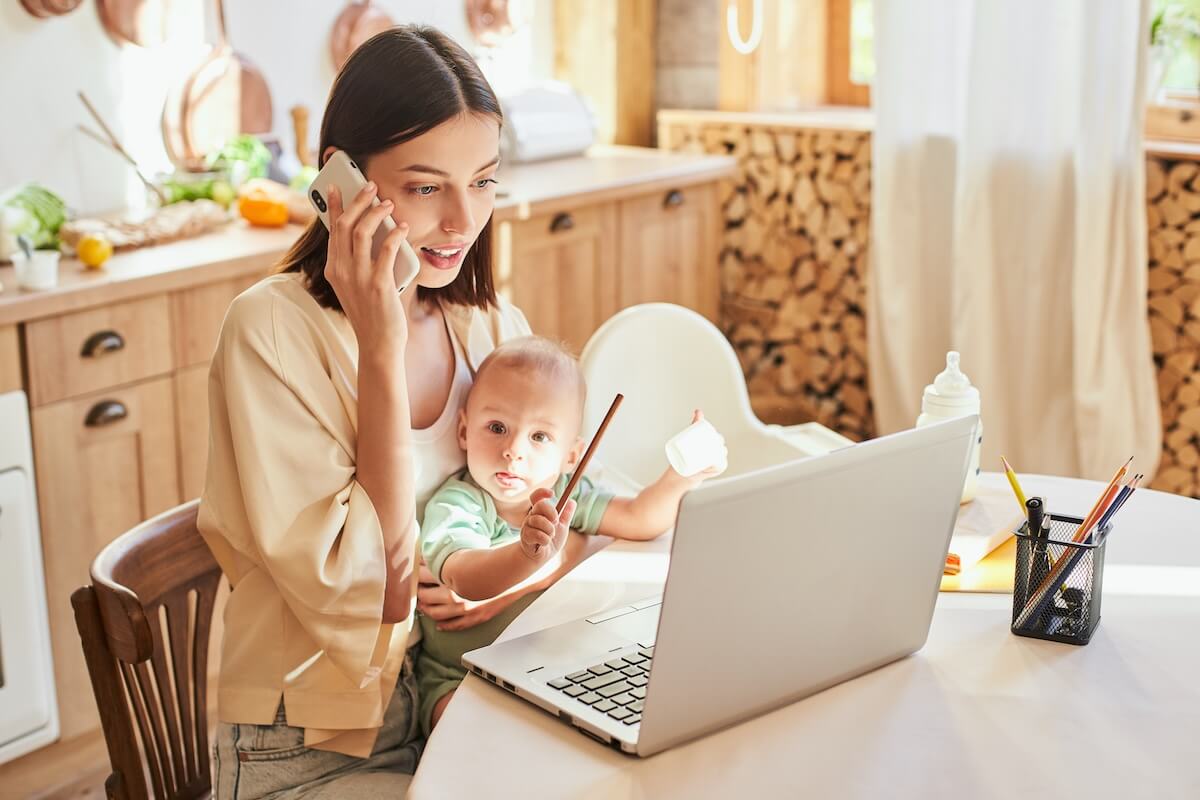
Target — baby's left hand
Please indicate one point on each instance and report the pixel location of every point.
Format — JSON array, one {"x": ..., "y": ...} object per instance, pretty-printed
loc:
[{"x": 716, "y": 469}]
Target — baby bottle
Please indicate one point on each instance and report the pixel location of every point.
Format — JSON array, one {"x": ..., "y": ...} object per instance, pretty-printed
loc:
[{"x": 952, "y": 395}]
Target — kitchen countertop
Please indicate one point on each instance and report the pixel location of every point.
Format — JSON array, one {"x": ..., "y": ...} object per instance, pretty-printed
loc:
[{"x": 237, "y": 249}]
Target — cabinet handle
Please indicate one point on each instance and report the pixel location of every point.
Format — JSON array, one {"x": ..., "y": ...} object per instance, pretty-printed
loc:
[
  {"x": 106, "y": 412},
  {"x": 673, "y": 198},
  {"x": 562, "y": 222},
  {"x": 102, "y": 343}
]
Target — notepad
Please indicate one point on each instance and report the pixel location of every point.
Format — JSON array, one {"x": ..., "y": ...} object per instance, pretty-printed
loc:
[
  {"x": 984, "y": 524},
  {"x": 993, "y": 574}
]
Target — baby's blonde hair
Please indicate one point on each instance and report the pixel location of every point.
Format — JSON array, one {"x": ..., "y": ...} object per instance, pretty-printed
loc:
[{"x": 546, "y": 358}]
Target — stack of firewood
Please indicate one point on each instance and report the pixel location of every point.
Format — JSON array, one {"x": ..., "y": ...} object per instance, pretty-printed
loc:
[
  {"x": 793, "y": 267},
  {"x": 1173, "y": 223}
]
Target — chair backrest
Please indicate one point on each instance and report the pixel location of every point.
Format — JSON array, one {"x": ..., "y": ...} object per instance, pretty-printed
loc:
[
  {"x": 668, "y": 360},
  {"x": 144, "y": 623}
]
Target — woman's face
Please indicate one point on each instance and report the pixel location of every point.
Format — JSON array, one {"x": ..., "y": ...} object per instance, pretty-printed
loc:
[{"x": 442, "y": 183}]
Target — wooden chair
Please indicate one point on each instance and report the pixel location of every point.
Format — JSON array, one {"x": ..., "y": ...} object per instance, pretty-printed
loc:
[{"x": 145, "y": 623}]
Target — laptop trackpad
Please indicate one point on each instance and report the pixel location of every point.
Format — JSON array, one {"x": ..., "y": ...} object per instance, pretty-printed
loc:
[{"x": 638, "y": 627}]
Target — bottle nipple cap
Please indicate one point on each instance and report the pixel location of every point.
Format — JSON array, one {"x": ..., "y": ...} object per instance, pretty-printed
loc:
[{"x": 952, "y": 381}]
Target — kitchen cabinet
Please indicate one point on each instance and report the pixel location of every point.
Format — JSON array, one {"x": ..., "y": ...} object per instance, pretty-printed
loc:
[
  {"x": 10, "y": 359},
  {"x": 80, "y": 352},
  {"x": 562, "y": 271},
  {"x": 104, "y": 463},
  {"x": 191, "y": 414},
  {"x": 669, "y": 249},
  {"x": 571, "y": 267}
]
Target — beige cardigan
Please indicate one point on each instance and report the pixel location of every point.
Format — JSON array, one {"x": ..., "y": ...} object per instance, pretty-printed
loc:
[{"x": 289, "y": 524}]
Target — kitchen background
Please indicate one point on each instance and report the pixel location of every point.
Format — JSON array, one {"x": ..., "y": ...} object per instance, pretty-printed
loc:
[
  {"x": 756, "y": 211},
  {"x": 47, "y": 61}
]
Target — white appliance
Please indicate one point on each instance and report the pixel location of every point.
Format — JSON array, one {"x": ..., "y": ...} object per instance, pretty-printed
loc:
[
  {"x": 28, "y": 711},
  {"x": 545, "y": 120}
]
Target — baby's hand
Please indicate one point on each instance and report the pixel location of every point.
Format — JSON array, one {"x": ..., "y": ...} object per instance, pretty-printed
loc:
[
  {"x": 720, "y": 464},
  {"x": 545, "y": 530}
]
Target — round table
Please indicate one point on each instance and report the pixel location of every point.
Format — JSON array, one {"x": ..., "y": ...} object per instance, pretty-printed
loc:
[{"x": 977, "y": 712}]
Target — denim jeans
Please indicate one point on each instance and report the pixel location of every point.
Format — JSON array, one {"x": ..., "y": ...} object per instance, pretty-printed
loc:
[{"x": 271, "y": 761}]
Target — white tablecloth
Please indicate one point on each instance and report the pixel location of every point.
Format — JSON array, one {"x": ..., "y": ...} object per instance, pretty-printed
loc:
[{"x": 976, "y": 713}]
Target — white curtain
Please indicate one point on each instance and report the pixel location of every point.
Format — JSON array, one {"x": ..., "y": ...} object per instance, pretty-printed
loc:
[{"x": 1009, "y": 223}]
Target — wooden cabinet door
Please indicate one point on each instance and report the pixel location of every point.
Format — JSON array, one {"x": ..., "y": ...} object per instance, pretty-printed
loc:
[
  {"x": 198, "y": 313},
  {"x": 104, "y": 462},
  {"x": 669, "y": 249},
  {"x": 560, "y": 270},
  {"x": 191, "y": 418}
]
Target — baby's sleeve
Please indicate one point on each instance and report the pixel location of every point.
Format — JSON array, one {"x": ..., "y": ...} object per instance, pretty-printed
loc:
[
  {"x": 455, "y": 519},
  {"x": 591, "y": 501}
]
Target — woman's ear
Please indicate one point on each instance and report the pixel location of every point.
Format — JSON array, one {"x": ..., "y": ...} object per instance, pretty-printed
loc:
[
  {"x": 327, "y": 153},
  {"x": 462, "y": 429}
]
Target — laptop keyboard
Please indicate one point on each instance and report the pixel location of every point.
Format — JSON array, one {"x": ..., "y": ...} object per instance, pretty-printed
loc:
[{"x": 616, "y": 687}]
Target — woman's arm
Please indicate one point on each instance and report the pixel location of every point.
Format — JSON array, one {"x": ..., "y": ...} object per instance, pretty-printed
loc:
[{"x": 371, "y": 301}]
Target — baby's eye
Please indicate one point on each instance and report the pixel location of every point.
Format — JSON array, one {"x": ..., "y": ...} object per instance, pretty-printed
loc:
[
  {"x": 482, "y": 184},
  {"x": 541, "y": 437},
  {"x": 496, "y": 427},
  {"x": 424, "y": 191}
]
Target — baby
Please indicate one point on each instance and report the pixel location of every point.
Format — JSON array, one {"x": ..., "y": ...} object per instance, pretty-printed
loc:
[{"x": 494, "y": 524}]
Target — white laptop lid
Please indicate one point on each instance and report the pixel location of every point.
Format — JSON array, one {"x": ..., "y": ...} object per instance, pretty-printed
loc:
[{"x": 793, "y": 578}]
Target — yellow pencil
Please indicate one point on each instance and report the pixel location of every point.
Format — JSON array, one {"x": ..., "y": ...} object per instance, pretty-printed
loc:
[{"x": 1012, "y": 479}]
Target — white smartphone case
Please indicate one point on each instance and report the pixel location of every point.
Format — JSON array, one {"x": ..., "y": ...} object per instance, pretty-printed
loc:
[{"x": 341, "y": 172}]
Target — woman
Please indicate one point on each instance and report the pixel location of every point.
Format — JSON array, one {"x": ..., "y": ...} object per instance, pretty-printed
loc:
[{"x": 333, "y": 398}]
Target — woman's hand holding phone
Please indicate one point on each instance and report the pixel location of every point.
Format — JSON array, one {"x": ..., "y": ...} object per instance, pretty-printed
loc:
[{"x": 366, "y": 287}]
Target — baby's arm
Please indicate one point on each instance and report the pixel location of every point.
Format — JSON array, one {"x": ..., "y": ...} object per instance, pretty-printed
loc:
[
  {"x": 483, "y": 574},
  {"x": 652, "y": 512},
  {"x": 479, "y": 574}
]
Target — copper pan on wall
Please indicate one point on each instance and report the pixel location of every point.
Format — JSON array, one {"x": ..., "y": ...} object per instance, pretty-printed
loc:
[
  {"x": 358, "y": 22},
  {"x": 224, "y": 96},
  {"x": 50, "y": 8},
  {"x": 137, "y": 22}
]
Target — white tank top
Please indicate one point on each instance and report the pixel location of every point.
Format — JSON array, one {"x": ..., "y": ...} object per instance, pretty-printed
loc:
[{"x": 437, "y": 454}]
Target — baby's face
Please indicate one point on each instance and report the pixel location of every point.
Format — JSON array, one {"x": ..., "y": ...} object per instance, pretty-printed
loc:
[{"x": 520, "y": 432}]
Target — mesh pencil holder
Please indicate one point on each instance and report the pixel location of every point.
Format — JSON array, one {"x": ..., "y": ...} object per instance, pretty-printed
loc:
[{"x": 1056, "y": 588}]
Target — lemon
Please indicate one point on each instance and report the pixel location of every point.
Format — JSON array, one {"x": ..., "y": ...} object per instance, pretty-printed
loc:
[
  {"x": 222, "y": 192},
  {"x": 94, "y": 250}
]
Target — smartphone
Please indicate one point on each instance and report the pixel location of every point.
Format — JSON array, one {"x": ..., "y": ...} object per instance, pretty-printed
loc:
[{"x": 341, "y": 171}]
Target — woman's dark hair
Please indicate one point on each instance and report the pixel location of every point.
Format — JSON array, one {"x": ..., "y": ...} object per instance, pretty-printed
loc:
[{"x": 398, "y": 85}]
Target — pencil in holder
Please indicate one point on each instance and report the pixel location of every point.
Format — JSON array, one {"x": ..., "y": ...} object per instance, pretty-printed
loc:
[{"x": 1057, "y": 585}]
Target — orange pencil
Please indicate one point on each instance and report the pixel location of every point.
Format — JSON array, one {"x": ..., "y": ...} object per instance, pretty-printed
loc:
[{"x": 1101, "y": 504}]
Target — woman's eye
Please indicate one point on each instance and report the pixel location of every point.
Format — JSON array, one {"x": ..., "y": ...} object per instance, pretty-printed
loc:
[
  {"x": 482, "y": 184},
  {"x": 496, "y": 427},
  {"x": 424, "y": 191}
]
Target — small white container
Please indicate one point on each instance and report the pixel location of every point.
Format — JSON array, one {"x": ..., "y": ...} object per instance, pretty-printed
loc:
[
  {"x": 38, "y": 272},
  {"x": 696, "y": 448},
  {"x": 952, "y": 395}
]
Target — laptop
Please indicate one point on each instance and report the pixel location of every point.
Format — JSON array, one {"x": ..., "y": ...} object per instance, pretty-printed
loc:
[{"x": 782, "y": 582}]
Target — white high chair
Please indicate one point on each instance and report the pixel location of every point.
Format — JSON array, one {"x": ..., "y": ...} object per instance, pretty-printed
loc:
[{"x": 668, "y": 360}]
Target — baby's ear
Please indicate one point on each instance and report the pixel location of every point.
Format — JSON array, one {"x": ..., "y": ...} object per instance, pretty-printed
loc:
[
  {"x": 462, "y": 429},
  {"x": 575, "y": 453}
]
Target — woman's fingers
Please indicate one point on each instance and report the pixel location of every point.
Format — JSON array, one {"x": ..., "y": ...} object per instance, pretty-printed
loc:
[
  {"x": 343, "y": 224},
  {"x": 425, "y": 577},
  {"x": 385, "y": 262}
]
